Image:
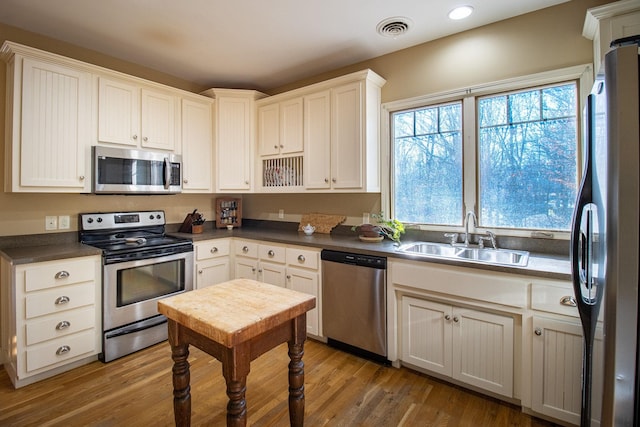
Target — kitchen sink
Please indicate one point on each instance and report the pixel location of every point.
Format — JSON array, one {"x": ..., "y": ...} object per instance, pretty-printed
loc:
[{"x": 474, "y": 254}]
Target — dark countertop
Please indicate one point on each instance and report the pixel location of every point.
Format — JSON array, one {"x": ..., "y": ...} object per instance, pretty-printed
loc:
[{"x": 540, "y": 265}]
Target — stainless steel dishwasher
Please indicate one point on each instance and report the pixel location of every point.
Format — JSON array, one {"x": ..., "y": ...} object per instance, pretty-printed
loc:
[{"x": 354, "y": 303}]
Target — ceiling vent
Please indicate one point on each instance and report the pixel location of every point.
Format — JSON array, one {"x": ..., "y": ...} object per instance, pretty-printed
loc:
[{"x": 394, "y": 27}]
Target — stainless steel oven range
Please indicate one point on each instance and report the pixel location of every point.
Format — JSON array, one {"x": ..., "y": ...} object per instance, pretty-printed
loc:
[{"x": 141, "y": 264}]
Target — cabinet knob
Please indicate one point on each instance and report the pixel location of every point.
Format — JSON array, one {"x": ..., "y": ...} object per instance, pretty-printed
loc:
[
  {"x": 301, "y": 258},
  {"x": 63, "y": 350},
  {"x": 275, "y": 146},
  {"x": 62, "y": 274},
  {"x": 538, "y": 331},
  {"x": 185, "y": 181},
  {"x": 259, "y": 270},
  {"x": 199, "y": 271},
  {"x": 271, "y": 253},
  {"x": 568, "y": 300},
  {"x": 456, "y": 319},
  {"x": 333, "y": 180},
  {"x": 81, "y": 177},
  {"x": 135, "y": 137},
  {"x": 214, "y": 250},
  {"x": 62, "y": 300},
  {"x": 62, "y": 325},
  {"x": 245, "y": 249},
  {"x": 447, "y": 317},
  {"x": 145, "y": 139},
  {"x": 326, "y": 180},
  {"x": 246, "y": 182},
  {"x": 281, "y": 146},
  {"x": 253, "y": 269},
  {"x": 288, "y": 277}
]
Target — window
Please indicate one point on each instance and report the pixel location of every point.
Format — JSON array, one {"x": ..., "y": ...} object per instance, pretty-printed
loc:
[{"x": 513, "y": 155}]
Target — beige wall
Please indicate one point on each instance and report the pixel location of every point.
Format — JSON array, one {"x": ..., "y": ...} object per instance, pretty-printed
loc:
[{"x": 544, "y": 40}]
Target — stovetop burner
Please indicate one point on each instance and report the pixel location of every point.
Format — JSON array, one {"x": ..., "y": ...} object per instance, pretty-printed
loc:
[{"x": 130, "y": 234}]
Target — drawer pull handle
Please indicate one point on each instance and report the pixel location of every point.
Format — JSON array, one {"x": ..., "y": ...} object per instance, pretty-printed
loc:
[
  {"x": 62, "y": 274},
  {"x": 214, "y": 250},
  {"x": 271, "y": 253},
  {"x": 62, "y": 300},
  {"x": 62, "y": 325},
  {"x": 245, "y": 249},
  {"x": 301, "y": 258},
  {"x": 538, "y": 331},
  {"x": 63, "y": 350},
  {"x": 568, "y": 300}
]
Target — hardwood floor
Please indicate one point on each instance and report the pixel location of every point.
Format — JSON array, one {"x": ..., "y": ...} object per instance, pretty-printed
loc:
[{"x": 340, "y": 389}]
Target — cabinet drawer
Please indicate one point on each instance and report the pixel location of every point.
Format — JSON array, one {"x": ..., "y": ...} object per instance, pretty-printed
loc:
[
  {"x": 60, "y": 349},
  {"x": 247, "y": 249},
  {"x": 212, "y": 249},
  {"x": 303, "y": 258},
  {"x": 553, "y": 298},
  {"x": 272, "y": 253},
  {"x": 57, "y": 300},
  {"x": 60, "y": 324},
  {"x": 48, "y": 275}
]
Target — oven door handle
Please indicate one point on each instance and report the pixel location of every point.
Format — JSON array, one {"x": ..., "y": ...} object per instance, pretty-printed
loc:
[{"x": 136, "y": 327}]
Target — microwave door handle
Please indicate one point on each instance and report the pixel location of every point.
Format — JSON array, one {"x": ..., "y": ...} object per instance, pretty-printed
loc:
[{"x": 167, "y": 173}]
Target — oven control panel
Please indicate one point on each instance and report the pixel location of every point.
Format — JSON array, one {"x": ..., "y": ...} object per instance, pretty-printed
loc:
[{"x": 112, "y": 220}]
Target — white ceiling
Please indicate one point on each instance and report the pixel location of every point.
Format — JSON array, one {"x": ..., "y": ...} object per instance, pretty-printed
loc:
[{"x": 258, "y": 44}]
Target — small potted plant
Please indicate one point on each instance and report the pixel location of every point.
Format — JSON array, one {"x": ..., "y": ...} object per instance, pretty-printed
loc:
[{"x": 390, "y": 228}]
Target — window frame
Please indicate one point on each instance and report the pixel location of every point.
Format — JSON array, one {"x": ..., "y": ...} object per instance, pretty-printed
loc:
[{"x": 582, "y": 74}]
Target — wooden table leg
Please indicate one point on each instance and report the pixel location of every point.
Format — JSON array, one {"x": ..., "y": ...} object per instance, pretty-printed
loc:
[
  {"x": 296, "y": 371},
  {"x": 181, "y": 377},
  {"x": 235, "y": 369}
]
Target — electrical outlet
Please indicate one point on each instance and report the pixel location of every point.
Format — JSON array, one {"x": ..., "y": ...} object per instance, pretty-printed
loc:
[
  {"x": 64, "y": 222},
  {"x": 51, "y": 223},
  {"x": 281, "y": 214}
]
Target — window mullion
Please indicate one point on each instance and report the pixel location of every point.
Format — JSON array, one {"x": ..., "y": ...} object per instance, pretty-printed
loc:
[{"x": 469, "y": 154}]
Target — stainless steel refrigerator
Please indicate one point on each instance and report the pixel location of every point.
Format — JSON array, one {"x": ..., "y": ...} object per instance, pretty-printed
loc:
[{"x": 605, "y": 241}]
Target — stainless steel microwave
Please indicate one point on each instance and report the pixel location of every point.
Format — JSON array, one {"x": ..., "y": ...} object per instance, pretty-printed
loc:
[{"x": 126, "y": 171}]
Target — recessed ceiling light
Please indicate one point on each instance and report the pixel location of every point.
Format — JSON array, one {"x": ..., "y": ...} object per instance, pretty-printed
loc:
[
  {"x": 394, "y": 27},
  {"x": 460, "y": 12}
]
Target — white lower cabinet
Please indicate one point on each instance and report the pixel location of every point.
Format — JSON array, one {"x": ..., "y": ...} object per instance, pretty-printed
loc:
[
  {"x": 471, "y": 346},
  {"x": 57, "y": 316},
  {"x": 292, "y": 267},
  {"x": 212, "y": 262}
]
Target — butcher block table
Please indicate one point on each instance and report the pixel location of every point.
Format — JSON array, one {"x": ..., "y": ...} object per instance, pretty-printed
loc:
[{"x": 236, "y": 322}]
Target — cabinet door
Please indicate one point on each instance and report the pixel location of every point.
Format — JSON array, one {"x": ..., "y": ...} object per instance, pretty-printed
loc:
[
  {"x": 317, "y": 140},
  {"x": 269, "y": 129},
  {"x": 291, "y": 133},
  {"x": 426, "y": 335},
  {"x": 557, "y": 369},
  {"x": 273, "y": 274},
  {"x": 212, "y": 272},
  {"x": 483, "y": 350},
  {"x": 158, "y": 123},
  {"x": 118, "y": 112},
  {"x": 246, "y": 268},
  {"x": 233, "y": 141},
  {"x": 306, "y": 282},
  {"x": 56, "y": 103},
  {"x": 197, "y": 146},
  {"x": 347, "y": 143}
]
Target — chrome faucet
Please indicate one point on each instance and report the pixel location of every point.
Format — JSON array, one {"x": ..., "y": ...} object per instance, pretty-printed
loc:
[{"x": 466, "y": 225}]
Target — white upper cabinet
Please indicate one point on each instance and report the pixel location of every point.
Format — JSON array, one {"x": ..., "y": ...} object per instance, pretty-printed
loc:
[
  {"x": 280, "y": 127},
  {"x": 197, "y": 146},
  {"x": 609, "y": 22},
  {"x": 234, "y": 122},
  {"x": 341, "y": 134},
  {"x": 48, "y": 114},
  {"x": 130, "y": 114}
]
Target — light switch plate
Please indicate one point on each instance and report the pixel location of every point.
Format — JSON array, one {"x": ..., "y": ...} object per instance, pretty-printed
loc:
[
  {"x": 64, "y": 222},
  {"x": 50, "y": 222}
]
